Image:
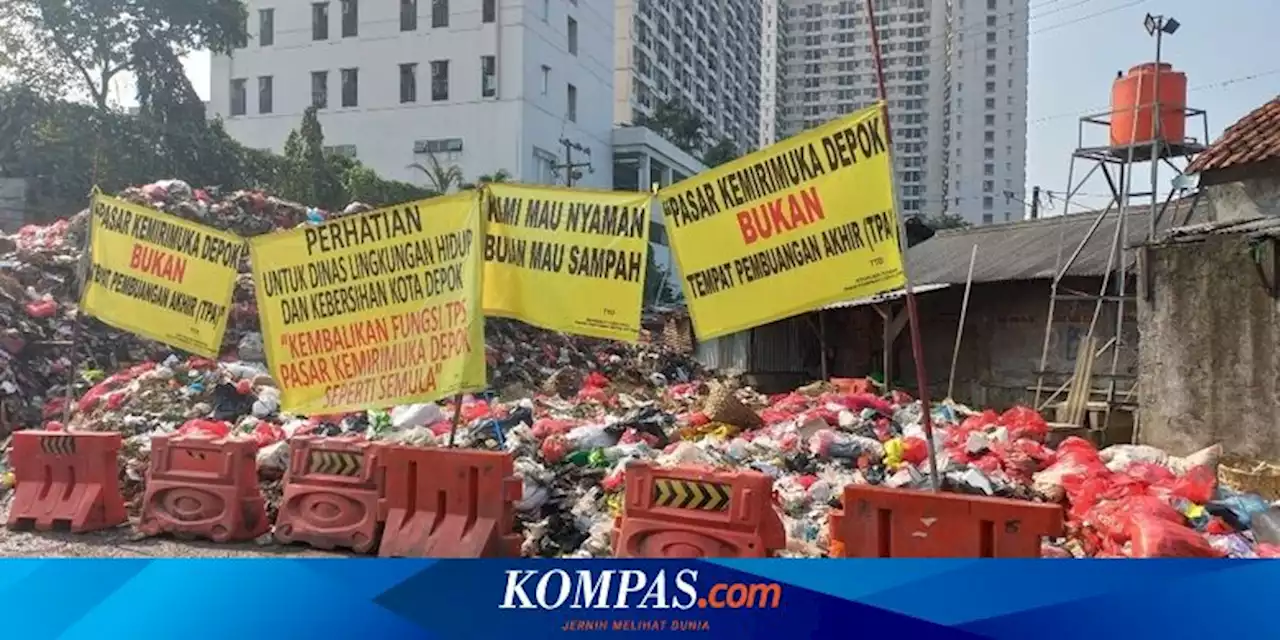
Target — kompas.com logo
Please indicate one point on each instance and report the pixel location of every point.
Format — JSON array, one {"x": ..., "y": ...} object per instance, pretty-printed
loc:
[{"x": 631, "y": 589}]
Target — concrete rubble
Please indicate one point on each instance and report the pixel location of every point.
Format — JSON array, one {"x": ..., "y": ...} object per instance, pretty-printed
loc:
[{"x": 575, "y": 411}]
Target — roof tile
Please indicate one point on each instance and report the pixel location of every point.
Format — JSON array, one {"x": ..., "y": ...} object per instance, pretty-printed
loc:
[{"x": 1254, "y": 138}]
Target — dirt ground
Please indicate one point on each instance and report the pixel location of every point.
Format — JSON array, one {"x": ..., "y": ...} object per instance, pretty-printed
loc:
[{"x": 124, "y": 542}]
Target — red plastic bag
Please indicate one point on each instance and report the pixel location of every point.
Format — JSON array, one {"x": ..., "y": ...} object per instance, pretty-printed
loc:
[
  {"x": 475, "y": 411},
  {"x": 215, "y": 428},
  {"x": 266, "y": 434},
  {"x": 1149, "y": 473},
  {"x": 1114, "y": 519},
  {"x": 42, "y": 309},
  {"x": 915, "y": 450},
  {"x": 1025, "y": 422},
  {"x": 1268, "y": 550},
  {"x": 1196, "y": 485},
  {"x": 595, "y": 379},
  {"x": 1154, "y": 537}
]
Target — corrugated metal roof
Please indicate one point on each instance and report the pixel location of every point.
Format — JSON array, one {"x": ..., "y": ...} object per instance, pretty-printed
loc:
[
  {"x": 1253, "y": 138},
  {"x": 887, "y": 296},
  {"x": 1035, "y": 249},
  {"x": 1254, "y": 227}
]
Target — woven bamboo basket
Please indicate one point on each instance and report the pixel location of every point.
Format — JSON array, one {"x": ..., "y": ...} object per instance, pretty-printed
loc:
[
  {"x": 1251, "y": 476},
  {"x": 723, "y": 406}
]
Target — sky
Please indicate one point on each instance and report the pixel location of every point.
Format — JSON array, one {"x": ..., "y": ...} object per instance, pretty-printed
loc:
[{"x": 1229, "y": 49}]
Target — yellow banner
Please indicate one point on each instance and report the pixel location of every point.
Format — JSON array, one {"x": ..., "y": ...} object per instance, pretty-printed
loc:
[
  {"x": 374, "y": 310},
  {"x": 787, "y": 229},
  {"x": 160, "y": 276},
  {"x": 566, "y": 259}
]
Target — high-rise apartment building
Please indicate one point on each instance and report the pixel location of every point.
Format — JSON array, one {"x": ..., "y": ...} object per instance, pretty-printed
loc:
[
  {"x": 956, "y": 77},
  {"x": 704, "y": 52},
  {"x": 771, "y": 42},
  {"x": 484, "y": 85}
]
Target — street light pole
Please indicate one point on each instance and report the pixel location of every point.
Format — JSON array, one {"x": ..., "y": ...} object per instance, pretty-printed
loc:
[{"x": 1157, "y": 26}]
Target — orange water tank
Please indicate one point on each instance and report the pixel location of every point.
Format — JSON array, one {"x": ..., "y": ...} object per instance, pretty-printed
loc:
[{"x": 1133, "y": 101}]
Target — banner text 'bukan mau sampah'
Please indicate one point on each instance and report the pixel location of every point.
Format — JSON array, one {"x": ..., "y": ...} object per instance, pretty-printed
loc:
[
  {"x": 787, "y": 229},
  {"x": 376, "y": 309},
  {"x": 159, "y": 276},
  {"x": 567, "y": 260}
]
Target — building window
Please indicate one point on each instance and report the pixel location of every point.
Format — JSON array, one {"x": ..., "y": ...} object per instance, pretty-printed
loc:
[
  {"x": 544, "y": 166},
  {"x": 573, "y": 36},
  {"x": 266, "y": 27},
  {"x": 350, "y": 87},
  {"x": 546, "y": 79},
  {"x": 320, "y": 21},
  {"x": 238, "y": 97},
  {"x": 439, "y": 13},
  {"x": 408, "y": 15},
  {"x": 488, "y": 76},
  {"x": 439, "y": 80},
  {"x": 572, "y": 111},
  {"x": 545, "y": 10},
  {"x": 350, "y": 18},
  {"x": 264, "y": 94},
  {"x": 987, "y": 218},
  {"x": 320, "y": 89},
  {"x": 987, "y": 203},
  {"x": 408, "y": 83},
  {"x": 489, "y": 11}
]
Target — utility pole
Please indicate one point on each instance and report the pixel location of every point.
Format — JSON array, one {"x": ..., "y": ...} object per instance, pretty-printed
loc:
[
  {"x": 570, "y": 167},
  {"x": 1035, "y": 202}
]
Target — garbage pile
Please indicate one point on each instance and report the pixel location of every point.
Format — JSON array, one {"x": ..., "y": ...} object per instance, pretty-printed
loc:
[{"x": 575, "y": 411}]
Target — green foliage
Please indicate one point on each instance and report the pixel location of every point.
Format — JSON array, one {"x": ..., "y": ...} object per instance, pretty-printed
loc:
[
  {"x": 658, "y": 289},
  {"x": 676, "y": 121},
  {"x": 91, "y": 42},
  {"x": 721, "y": 152},
  {"x": 497, "y": 177},
  {"x": 947, "y": 221},
  {"x": 309, "y": 175},
  {"x": 362, "y": 184},
  {"x": 440, "y": 178}
]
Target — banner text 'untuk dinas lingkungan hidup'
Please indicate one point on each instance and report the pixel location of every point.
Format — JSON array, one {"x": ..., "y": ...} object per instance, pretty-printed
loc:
[
  {"x": 376, "y": 309},
  {"x": 567, "y": 260},
  {"x": 160, "y": 276},
  {"x": 787, "y": 229}
]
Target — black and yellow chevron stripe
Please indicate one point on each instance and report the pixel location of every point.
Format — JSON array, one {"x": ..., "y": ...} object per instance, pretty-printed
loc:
[
  {"x": 334, "y": 463},
  {"x": 687, "y": 494},
  {"x": 58, "y": 445}
]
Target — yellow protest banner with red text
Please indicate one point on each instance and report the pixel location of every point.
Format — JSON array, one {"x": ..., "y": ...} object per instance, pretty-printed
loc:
[
  {"x": 568, "y": 260},
  {"x": 787, "y": 229},
  {"x": 376, "y": 309},
  {"x": 160, "y": 276}
]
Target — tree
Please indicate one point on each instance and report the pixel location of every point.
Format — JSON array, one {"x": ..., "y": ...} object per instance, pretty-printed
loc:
[
  {"x": 947, "y": 221},
  {"x": 310, "y": 177},
  {"x": 498, "y": 177},
  {"x": 440, "y": 178},
  {"x": 676, "y": 121},
  {"x": 721, "y": 152},
  {"x": 658, "y": 289},
  {"x": 93, "y": 41}
]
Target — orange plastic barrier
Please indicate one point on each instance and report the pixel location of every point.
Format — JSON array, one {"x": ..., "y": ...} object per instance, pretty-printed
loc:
[
  {"x": 206, "y": 487},
  {"x": 448, "y": 503},
  {"x": 66, "y": 481},
  {"x": 879, "y": 522},
  {"x": 331, "y": 494},
  {"x": 697, "y": 513}
]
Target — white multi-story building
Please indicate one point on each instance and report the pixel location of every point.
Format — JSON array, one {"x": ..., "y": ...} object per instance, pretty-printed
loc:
[
  {"x": 771, "y": 68},
  {"x": 956, "y": 75},
  {"x": 485, "y": 85},
  {"x": 704, "y": 52}
]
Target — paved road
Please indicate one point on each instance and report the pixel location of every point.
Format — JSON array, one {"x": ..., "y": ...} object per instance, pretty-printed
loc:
[{"x": 122, "y": 542}]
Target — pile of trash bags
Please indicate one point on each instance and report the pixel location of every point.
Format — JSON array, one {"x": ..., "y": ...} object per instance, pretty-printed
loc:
[{"x": 575, "y": 411}]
